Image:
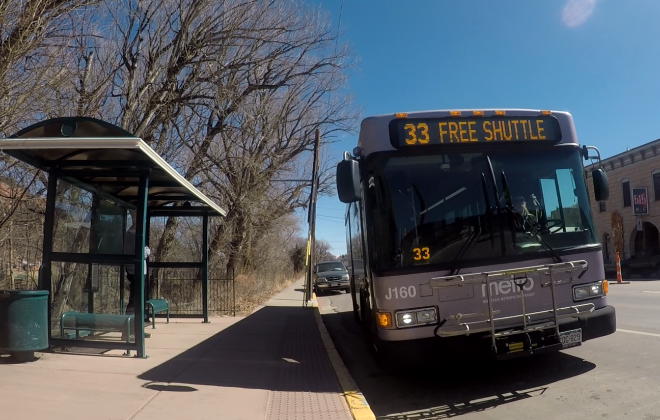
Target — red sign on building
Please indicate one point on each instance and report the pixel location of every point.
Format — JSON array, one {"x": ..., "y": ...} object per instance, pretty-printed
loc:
[{"x": 640, "y": 199}]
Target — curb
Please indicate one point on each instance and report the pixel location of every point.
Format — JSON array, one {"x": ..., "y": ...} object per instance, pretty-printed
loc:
[{"x": 357, "y": 404}]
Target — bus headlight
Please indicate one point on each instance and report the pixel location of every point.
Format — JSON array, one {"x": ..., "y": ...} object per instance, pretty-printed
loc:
[
  {"x": 587, "y": 291},
  {"x": 414, "y": 317}
]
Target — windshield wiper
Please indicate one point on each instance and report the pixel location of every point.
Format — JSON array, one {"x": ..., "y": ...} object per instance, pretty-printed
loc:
[
  {"x": 537, "y": 235},
  {"x": 465, "y": 251},
  {"x": 509, "y": 207},
  {"x": 497, "y": 203},
  {"x": 422, "y": 214},
  {"x": 474, "y": 236},
  {"x": 489, "y": 210}
]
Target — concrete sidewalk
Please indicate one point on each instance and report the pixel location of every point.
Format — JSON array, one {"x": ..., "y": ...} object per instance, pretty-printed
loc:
[{"x": 270, "y": 365}]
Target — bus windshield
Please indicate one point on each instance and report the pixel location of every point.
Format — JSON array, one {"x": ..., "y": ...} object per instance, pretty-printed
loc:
[{"x": 445, "y": 209}]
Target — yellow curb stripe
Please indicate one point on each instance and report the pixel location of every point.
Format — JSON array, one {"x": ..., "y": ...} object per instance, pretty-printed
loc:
[{"x": 357, "y": 404}]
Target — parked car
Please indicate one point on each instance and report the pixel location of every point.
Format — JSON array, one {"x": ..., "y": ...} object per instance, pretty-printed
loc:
[{"x": 330, "y": 275}]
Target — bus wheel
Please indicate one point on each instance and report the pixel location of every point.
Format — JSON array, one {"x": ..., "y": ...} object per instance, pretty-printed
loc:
[
  {"x": 356, "y": 309},
  {"x": 366, "y": 320},
  {"x": 361, "y": 315}
]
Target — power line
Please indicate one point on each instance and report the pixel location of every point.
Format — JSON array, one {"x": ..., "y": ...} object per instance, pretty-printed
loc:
[
  {"x": 332, "y": 221},
  {"x": 334, "y": 217},
  {"x": 341, "y": 9}
]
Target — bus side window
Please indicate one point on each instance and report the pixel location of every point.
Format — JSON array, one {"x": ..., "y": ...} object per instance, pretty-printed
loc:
[
  {"x": 356, "y": 232},
  {"x": 569, "y": 200},
  {"x": 550, "y": 200},
  {"x": 560, "y": 200}
]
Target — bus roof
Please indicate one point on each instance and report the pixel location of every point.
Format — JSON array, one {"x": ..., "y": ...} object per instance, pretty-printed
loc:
[{"x": 375, "y": 131}]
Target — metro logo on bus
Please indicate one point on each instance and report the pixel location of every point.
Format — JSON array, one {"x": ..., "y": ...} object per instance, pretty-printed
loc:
[
  {"x": 470, "y": 130},
  {"x": 506, "y": 287}
]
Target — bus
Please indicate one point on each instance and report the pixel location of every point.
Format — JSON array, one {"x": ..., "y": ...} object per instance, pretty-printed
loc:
[{"x": 476, "y": 234}]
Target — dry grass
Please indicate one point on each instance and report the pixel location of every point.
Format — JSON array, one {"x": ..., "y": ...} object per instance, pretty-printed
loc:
[{"x": 253, "y": 290}]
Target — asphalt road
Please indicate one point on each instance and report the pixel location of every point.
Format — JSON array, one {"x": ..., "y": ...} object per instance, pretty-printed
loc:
[{"x": 615, "y": 377}]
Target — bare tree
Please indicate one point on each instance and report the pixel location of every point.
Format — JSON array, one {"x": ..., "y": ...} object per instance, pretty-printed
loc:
[
  {"x": 33, "y": 38},
  {"x": 230, "y": 92},
  {"x": 242, "y": 84},
  {"x": 276, "y": 107},
  {"x": 322, "y": 251}
]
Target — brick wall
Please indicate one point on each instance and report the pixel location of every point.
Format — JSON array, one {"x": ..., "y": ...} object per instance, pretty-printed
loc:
[{"x": 636, "y": 165}]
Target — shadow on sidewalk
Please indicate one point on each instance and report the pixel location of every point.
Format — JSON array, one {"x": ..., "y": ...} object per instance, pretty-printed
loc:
[
  {"x": 275, "y": 348},
  {"x": 445, "y": 387}
]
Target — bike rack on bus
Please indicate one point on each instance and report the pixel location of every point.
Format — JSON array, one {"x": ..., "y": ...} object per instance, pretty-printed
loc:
[{"x": 547, "y": 274}]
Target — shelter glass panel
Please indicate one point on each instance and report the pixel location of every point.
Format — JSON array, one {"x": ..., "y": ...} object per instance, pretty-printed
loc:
[
  {"x": 72, "y": 294},
  {"x": 108, "y": 229},
  {"x": 73, "y": 210}
]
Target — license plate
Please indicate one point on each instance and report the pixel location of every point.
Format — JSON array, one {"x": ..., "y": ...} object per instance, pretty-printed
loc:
[{"x": 571, "y": 338}]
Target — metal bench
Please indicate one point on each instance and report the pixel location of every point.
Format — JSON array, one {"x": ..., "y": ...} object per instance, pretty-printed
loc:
[
  {"x": 157, "y": 306},
  {"x": 86, "y": 322}
]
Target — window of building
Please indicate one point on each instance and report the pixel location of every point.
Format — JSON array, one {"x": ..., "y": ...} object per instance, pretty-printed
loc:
[
  {"x": 656, "y": 184},
  {"x": 625, "y": 191},
  {"x": 601, "y": 207}
]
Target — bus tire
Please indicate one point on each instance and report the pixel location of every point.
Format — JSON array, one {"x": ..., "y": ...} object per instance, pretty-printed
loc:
[
  {"x": 356, "y": 310},
  {"x": 368, "y": 322},
  {"x": 361, "y": 315}
]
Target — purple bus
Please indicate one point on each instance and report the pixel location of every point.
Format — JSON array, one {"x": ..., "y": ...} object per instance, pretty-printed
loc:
[{"x": 476, "y": 234}]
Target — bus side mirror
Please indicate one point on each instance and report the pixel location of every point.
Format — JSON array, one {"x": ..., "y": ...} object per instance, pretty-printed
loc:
[
  {"x": 601, "y": 187},
  {"x": 348, "y": 181}
]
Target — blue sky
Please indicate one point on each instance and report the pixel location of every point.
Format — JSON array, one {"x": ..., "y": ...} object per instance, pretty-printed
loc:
[{"x": 597, "y": 59}]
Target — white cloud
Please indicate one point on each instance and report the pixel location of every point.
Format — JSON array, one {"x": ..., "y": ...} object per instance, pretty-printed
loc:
[{"x": 576, "y": 12}]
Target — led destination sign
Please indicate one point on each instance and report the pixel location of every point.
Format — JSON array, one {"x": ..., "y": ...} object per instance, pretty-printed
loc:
[{"x": 418, "y": 132}]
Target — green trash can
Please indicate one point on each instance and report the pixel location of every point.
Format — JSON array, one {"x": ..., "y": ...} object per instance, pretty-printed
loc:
[{"x": 23, "y": 322}]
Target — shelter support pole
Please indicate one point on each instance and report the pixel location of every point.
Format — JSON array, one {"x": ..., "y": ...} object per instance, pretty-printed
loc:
[
  {"x": 312, "y": 216},
  {"x": 93, "y": 248},
  {"x": 141, "y": 215},
  {"x": 147, "y": 279},
  {"x": 205, "y": 267},
  {"x": 122, "y": 271},
  {"x": 46, "y": 260}
]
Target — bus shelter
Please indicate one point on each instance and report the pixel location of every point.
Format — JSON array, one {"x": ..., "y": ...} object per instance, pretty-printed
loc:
[{"x": 97, "y": 174}]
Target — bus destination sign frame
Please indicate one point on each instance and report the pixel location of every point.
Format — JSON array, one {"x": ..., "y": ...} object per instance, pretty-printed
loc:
[{"x": 440, "y": 131}]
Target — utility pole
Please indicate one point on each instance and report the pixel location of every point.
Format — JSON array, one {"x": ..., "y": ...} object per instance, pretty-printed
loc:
[
  {"x": 311, "y": 219},
  {"x": 11, "y": 256}
]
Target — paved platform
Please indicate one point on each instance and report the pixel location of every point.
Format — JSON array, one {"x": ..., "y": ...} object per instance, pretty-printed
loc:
[{"x": 270, "y": 365}]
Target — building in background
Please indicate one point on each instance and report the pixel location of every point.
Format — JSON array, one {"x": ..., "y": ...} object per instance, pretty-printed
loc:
[{"x": 628, "y": 221}]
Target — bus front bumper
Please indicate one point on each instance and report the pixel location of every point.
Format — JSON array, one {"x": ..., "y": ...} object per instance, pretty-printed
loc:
[{"x": 599, "y": 323}]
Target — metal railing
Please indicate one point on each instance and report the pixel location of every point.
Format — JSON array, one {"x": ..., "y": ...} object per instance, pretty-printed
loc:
[
  {"x": 182, "y": 288},
  {"x": 549, "y": 276}
]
